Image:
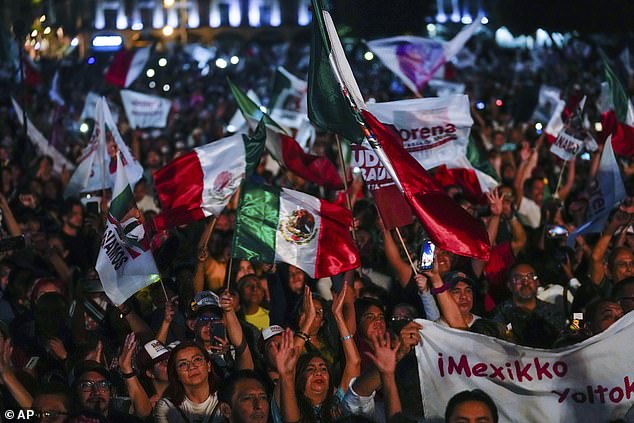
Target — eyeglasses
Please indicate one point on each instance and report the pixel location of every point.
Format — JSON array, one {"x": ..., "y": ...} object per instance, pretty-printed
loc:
[
  {"x": 184, "y": 366},
  {"x": 526, "y": 277},
  {"x": 205, "y": 319},
  {"x": 89, "y": 385},
  {"x": 44, "y": 415},
  {"x": 625, "y": 264}
]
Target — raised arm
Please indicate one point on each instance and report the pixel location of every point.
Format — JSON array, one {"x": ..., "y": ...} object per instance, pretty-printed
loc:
[
  {"x": 448, "y": 306},
  {"x": 12, "y": 225},
  {"x": 383, "y": 356},
  {"x": 7, "y": 375},
  {"x": 393, "y": 255},
  {"x": 138, "y": 396},
  {"x": 352, "y": 368},
  {"x": 168, "y": 316},
  {"x": 570, "y": 181},
  {"x": 286, "y": 356},
  {"x": 597, "y": 269},
  {"x": 244, "y": 360}
]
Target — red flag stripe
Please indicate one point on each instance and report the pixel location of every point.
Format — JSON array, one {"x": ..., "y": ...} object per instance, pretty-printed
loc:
[
  {"x": 317, "y": 169},
  {"x": 118, "y": 69},
  {"x": 448, "y": 225},
  {"x": 334, "y": 236}
]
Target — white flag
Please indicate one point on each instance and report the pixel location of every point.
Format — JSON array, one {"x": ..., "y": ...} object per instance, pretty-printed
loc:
[
  {"x": 145, "y": 111},
  {"x": 125, "y": 263}
]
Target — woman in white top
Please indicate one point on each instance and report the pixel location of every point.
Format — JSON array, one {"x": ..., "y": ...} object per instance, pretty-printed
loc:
[{"x": 191, "y": 395}]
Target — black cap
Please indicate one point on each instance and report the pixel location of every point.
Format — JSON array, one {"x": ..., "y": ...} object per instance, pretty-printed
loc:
[{"x": 451, "y": 279}]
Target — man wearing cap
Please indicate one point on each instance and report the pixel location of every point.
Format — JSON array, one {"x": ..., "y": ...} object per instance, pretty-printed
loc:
[
  {"x": 460, "y": 287},
  {"x": 535, "y": 323},
  {"x": 92, "y": 387}
]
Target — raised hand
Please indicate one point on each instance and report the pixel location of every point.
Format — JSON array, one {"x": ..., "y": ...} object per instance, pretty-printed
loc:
[
  {"x": 422, "y": 282},
  {"x": 57, "y": 349},
  {"x": 308, "y": 312},
  {"x": 384, "y": 354},
  {"x": 170, "y": 309},
  {"x": 496, "y": 202},
  {"x": 6, "y": 350},
  {"x": 227, "y": 302},
  {"x": 338, "y": 300},
  {"x": 285, "y": 354},
  {"x": 127, "y": 351},
  {"x": 409, "y": 337}
]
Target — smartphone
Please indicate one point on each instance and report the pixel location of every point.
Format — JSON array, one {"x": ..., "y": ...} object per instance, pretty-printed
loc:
[
  {"x": 92, "y": 207},
  {"x": 12, "y": 243},
  {"x": 427, "y": 255},
  {"x": 32, "y": 362},
  {"x": 555, "y": 231},
  {"x": 218, "y": 330}
]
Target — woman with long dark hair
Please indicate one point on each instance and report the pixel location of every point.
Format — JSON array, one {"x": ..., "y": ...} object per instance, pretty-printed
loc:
[{"x": 191, "y": 395}]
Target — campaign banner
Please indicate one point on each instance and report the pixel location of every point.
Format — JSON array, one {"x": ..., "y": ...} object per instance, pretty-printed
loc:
[
  {"x": 394, "y": 209},
  {"x": 145, "y": 111},
  {"x": 566, "y": 146},
  {"x": 435, "y": 131},
  {"x": 592, "y": 381},
  {"x": 90, "y": 107}
]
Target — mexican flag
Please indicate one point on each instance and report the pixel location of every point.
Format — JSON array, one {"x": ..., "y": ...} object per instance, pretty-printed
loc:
[
  {"x": 289, "y": 92},
  {"x": 282, "y": 225},
  {"x": 448, "y": 225},
  {"x": 618, "y": 118},
  {"x": 125, "y": 263},
  {"x": 201, "y": 183},
  {"x": 328, "y": 108},
  {"x": 285, "y": 149},
  {"x": 126, "y": 66}
]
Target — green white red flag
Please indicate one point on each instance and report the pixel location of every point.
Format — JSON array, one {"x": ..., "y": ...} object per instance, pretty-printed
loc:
[
  {"x": 618, "y": 119},
  {"x": 282, "y": 225}
]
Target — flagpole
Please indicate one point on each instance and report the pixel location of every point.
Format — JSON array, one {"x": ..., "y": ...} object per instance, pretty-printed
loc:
[
  {"x": 344, "y": 171},
  {"x": 409, "y": 258},
  {"x": 229, "y": 273},
  {"x": 561, "y": 174},
  {"x": 164, "y": 291}
]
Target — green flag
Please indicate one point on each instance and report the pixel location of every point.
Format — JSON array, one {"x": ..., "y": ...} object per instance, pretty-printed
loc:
[{"x": 328, "y": 109}]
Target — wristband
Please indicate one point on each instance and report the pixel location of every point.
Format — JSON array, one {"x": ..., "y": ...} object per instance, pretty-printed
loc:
[
  {"x": 128, "y": 375},
  {"x": 345, "y": 338},
  {"x": 303, "y": 336},
  {"x": 439, "y": 290}
]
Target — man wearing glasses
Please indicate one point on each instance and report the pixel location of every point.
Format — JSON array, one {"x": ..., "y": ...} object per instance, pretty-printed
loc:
[
  {"x": 92, "y": 387},
  {"x": 534, "y": 323}
]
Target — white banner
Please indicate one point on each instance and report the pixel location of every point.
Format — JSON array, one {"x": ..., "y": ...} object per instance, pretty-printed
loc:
[
  {"x": 145, "y": 111},
  {"x": 41, "y": 144},
  {"x": 90, "y": 106},
  {"x": 566, "y": 146},
  {"x": 592, "y": 381},
  {"x": 435, "y": 131}
]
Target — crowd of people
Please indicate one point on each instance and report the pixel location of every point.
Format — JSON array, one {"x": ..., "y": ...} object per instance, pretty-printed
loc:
[{"x": 228, "y": 339}]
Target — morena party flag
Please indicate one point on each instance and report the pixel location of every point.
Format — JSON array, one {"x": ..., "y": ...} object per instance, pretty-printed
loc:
[
  {"x": 449, "y": 226},
  {"x": 126, "y": 66},
  {"x": 125, "y": 263},
  {"x": 282, "y": 225},
  {"x": 200, "y": 183}
]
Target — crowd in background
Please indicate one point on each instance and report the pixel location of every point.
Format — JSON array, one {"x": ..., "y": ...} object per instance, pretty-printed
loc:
[{"x": 241, "y": 341}]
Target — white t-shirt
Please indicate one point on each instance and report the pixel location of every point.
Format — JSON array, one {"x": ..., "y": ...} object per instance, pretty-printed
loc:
[
  {"x": 166, "y": 412},
  {"x": 529, "y": 213}
]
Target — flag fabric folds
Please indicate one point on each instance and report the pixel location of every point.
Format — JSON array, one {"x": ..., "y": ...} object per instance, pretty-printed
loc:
[
  {"x": 201, "y": 183},
  {"x": 328, "y": 109},
  {"x": 98, "y": 165},
  {"x": 282, "y": 225},
  {"x": 415, "y": 60},
  {"x": 448, "y": 225},
  {"x": 145, "y": 111},
  {"x": 125, "y": 263},
  {"x": 618, "y": 119},
  {"x": 285, "y": 149},
  {"x": 126, "y": 66}
]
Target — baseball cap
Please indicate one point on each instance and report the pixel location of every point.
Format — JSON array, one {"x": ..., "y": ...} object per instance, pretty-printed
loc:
[
  {"x": 270, "y": 332},
  {"x": 451, "y": 279},
  {"x": 204, "y": 301},
  {"x": 86, "y": 366},
  {"x": 151, "y": 353}
]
